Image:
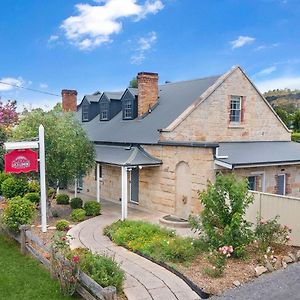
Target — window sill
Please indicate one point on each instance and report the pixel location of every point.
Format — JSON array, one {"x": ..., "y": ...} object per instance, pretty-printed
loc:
[{"x": 236, "y": 126}]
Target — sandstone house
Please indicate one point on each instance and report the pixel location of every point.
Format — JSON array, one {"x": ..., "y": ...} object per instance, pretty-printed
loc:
[{"x": 158, "y": 145}]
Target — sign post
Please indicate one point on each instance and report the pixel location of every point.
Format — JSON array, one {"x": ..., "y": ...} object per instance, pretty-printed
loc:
[
  {"x": 43, "y": 178},
  {"x": 23, "y": 159}
]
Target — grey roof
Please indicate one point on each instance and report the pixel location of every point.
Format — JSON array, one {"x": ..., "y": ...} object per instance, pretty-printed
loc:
[
  {"x": 259, "y": 153},
  {"x": 113, "y": 95},
  {"x": 93, "y": 98},
  {"x": 174, "y": 98},
  {"x": 125, "y": 156},
  {"x": 133, "y": 91}
]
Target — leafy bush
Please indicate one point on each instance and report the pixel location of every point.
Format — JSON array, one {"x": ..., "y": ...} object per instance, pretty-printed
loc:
[
  {"x": 78, "y": 215},
  {"x": 51, "y": 192},
  {"x": 152, "y": 240},
  {"x": 76, "y": 203},
  {"x": 269, "y": 233},
  {"x": 62, "y": 199},
  {"x": 62, "y": 225},
  {"x": 18, "y": 212},
  {"x": 33, "y": 187},
  {"x": 12, "y": 187},
  {"x": 92, "y": 208},
  {"x": 33, "y": 197},
  {"x": 223, "y": 217},
  {"x": 55, "y": 214},
  {"x": 3, "y": 177},
  {"x": 104, "y": 270}
]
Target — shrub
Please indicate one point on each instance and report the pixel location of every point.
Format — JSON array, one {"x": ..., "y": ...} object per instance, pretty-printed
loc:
[
  {"x": 55, "y": 214},
  {"x": 104, "y": 270},
  {"x": 78, "y": 215},
  {"x": 62, "y": 225},
  {"x": 62, "y": 199},
  {"x": 269, "y": 233},
  {"x": 12, "y": 187},
  {"x": 152, "y": 240},
  {"x": 3, "y": 177},
  {"x": 92, "y": 208},
  {"x": 51, "y": 192},
  {"x": 76, "y": 203},
  {"x": 18, "y": 212},
  {"x": 223, "y": 217},
  {"x": 33, "y": 197},
  {"x": 33, "y": 187}
]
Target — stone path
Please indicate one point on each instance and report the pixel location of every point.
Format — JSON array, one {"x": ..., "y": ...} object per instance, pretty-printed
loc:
[{"x": 144, "y": 280}]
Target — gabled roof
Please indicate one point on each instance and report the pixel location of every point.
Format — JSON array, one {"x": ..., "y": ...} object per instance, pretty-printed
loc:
[
  {"x": 93, "y": 98},
  {"x": 252, "y": 154},
  {"x": 125, "y": 156},
  {"x": 113, "y": 95},
  {"x": 174, "y": 98}
]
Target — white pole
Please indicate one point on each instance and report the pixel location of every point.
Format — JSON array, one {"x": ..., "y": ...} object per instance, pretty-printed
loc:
[
  {"x": 75, "y": 190},
  {"x": 98, "y": 182},
  {"x": 43, "y": 178},
  {"x": 124, "y": 193}
]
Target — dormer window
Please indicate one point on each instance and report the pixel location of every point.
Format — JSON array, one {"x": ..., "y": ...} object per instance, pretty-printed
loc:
[
  {"x": 104, "y": 111},
  {"x": 85, "y": 112},
  {"x": 127, "y": 109}
]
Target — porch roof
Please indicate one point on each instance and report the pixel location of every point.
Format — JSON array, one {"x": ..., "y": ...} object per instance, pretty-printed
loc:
[
  {"x": 125, "y": 156},
  {"x": 251, "y": 154}
]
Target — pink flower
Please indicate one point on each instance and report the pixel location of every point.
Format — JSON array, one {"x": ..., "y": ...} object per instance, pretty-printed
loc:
[{"x": 76, "y": 259}]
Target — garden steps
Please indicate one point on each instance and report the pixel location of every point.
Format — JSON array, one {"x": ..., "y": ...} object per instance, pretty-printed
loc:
[{"x": 144, "y": 279}]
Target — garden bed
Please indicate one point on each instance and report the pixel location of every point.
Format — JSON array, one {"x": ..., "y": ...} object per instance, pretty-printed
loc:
[{"x": 188, "y": 258}]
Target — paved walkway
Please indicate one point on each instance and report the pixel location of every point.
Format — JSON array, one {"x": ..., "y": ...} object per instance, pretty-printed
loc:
[
  {"x": 144, "y": 280},
  {"x": 283, "y": 284}
]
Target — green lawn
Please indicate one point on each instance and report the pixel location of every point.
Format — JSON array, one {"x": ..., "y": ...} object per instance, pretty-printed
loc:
[{"x": 22, "y": 277}]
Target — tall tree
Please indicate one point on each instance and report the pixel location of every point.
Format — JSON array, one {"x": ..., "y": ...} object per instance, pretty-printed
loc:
[{"x": 69, "y": 153}]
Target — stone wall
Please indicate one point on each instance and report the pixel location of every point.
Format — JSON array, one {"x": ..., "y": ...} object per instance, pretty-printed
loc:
[
  {"x": 292, "y": 178},
  {"x": 158, "y": 186},
  {"x": 210, "y": 120}
]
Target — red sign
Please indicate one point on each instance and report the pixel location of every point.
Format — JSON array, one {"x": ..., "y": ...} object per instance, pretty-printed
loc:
[{"x": 18, "y": 161}]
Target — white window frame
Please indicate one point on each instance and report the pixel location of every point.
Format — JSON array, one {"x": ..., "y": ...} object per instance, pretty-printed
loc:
[
  {"x": 235, "y": 98},
  {"x": 85, "y": 112},
  {"x": 104, "y": 111},
  {"x": 128, "y": 110},
  {"x": 284, "y": 185}
]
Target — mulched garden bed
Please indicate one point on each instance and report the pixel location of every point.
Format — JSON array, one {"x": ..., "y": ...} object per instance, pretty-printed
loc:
[{"x": 237, "y": 271}]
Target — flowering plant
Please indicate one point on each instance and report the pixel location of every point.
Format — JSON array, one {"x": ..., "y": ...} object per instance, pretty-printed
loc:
[
  {"x": 226, "y": 250},
  {"x": 270, "y": 233},
  {"x": 65, "y": 270}
]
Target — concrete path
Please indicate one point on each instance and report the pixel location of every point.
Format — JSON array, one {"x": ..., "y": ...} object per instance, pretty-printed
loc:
[
  {"x": 283, "y": 284},
  {"x": 144, "y": 280}
]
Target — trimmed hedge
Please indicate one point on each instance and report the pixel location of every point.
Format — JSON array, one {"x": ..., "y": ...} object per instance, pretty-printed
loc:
[
  {"x": 76, "y": 203},
  {"x": 92, "y": 208},
  {"x": 78, "y": 215},
  {"x": 13, "y": 187},
  {"x": 33, "y": 197},
  {"x": 63, "y": 199}
]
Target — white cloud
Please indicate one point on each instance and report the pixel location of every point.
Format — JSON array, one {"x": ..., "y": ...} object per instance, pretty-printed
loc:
[
  {"x": 94, "y": 24},
  {"x": 144, "y": 45},
  {"x": 264, "y": 47},
  {"x": 9, "y": 83},
  {"x": 266, "y": 71},
  {"x": 43, "y": 85},
  {"x": 242, "y": 41},
  {"x": 53, "y": 38},
  {"x": 292, "y": 82}
]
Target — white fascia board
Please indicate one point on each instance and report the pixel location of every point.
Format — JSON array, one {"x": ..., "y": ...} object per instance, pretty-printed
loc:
[
  {"x": 223, "y": 164},
  {"x": 20, "y": 145}
]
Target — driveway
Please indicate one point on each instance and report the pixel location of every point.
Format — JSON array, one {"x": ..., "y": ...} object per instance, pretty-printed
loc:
[{"x": 280, "y": 285}]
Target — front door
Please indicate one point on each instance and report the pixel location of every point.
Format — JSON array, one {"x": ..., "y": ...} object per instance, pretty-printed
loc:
[{"x": 134, "y": 185}]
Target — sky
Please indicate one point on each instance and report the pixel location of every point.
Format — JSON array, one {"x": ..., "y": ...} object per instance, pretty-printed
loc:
[{"x": 102, "y": 44}]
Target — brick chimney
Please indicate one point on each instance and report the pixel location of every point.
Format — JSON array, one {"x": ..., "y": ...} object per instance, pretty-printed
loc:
[
  {"x": 69, "y": 100},
  {"x": 147, "y": 91}
]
